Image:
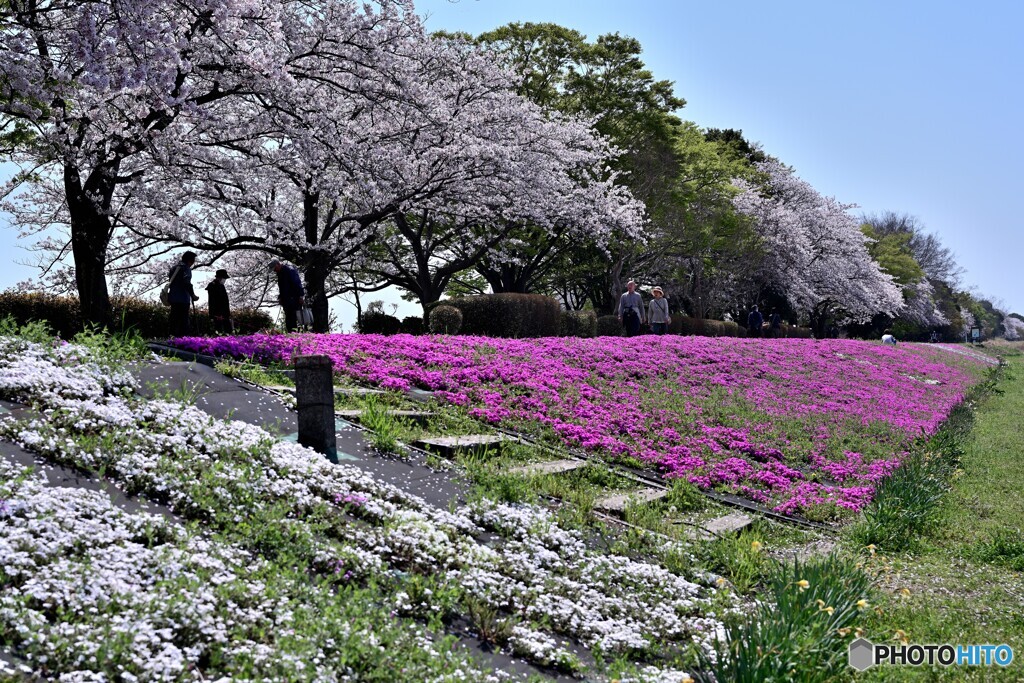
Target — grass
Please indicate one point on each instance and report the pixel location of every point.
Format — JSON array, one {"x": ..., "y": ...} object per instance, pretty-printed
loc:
[{"x": 966, "y": 586}]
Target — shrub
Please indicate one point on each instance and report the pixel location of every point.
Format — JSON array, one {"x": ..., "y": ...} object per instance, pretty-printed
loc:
[
  {"x": 413, "y": 324},
  {"x": 687, "y": 326},
  {"x": 579, "y": 324},
  {"x": 445, "y": 320},
  {"x": 731, "y": 329},
  {"x": 509, "y": 315},
  {"x": 149, "y": 319},
  {"x": 608, "y": 326},
  {"x": 378, "y": 322}
]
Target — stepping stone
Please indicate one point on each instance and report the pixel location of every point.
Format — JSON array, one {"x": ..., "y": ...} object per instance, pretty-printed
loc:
[
  {"x": 357, "y": 391},
  {"x": 551, "y": 467},
  {"x": 450, "y": 445},
  {"x": 412, "y": 415},
  {"x": 419, "y": 395},
  {"x": 732, "y": 523},
  {"x": 617, "y": 503}
]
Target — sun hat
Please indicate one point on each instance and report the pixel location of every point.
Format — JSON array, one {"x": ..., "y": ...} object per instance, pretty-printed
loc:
[
  {"x": 222, "y": 273},
  {"x": 657, "y": 289}
]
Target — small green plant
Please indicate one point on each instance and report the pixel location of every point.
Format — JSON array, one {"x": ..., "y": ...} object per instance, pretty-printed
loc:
[
  {"x": 739, "y": 559},
  {"x": 384, "y": 428},
  {"x": 799, "y": 631},
  {"x": 685, "y": 497},
  {"x": 1004, "y": 547},
  {"x": 490, "y": 625}
]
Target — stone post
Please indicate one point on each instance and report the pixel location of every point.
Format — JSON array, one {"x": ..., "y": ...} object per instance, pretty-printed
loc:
[{"x": 314, "y": 393}]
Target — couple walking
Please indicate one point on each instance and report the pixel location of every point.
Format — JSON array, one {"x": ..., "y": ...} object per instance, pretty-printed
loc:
[{"x": 632, "y": 314}]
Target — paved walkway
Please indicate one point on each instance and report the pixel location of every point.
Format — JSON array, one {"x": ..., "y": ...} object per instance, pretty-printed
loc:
[{"x": 222, "y": 397}]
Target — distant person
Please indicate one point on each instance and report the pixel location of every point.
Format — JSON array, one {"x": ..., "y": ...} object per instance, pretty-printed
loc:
[
  {"x": 181, "y": 294},
  {"x": 754, "y": 322},
  {"x": 775, "y": 324},
  {"x": 631, "y": 310},
  {"x": 290, "y": 293},
  {"x": 887, "y": 338},
  {"x": 657, "y": 312},
  {"x": 934, "y": 338},
  {"x": 220, "y": 309}
]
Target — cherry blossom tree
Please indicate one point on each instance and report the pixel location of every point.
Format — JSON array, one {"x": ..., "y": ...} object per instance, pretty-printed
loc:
[
  {"x": 378, "y": 154},
  {"x": 815, "y": 252},
  {"x": 96, "y": 84}
]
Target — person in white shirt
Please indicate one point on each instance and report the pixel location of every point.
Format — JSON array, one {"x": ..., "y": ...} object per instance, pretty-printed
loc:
[{"x": 887, "y": 338}]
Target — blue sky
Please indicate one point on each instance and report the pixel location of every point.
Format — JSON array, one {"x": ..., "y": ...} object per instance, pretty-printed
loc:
[{"x": 912, "y": 107}]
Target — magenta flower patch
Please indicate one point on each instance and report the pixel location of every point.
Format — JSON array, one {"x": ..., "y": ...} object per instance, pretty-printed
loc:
[{"x": 804, "y": 426}]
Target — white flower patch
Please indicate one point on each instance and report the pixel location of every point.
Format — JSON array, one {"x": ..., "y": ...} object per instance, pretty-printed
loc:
[{"x": 541, "y": 573}]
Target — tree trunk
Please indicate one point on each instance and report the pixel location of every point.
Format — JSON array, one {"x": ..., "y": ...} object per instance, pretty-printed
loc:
[
  {"x": 90, "y": 237},
  {"x": 317, "y": 270}
]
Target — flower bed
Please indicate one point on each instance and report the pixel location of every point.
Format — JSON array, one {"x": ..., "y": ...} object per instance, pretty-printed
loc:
[
  {"x": 803, "y": 426},
  {"x": 312, "y": 564}
]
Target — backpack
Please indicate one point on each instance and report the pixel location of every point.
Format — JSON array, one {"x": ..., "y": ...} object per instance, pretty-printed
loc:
[{"x": 165, "y": 293}]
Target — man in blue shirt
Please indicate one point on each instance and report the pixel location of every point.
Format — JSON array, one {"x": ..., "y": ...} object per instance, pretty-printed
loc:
[
  {"x": 181, "y": 294},
  {"x": 291, "y": 294}
]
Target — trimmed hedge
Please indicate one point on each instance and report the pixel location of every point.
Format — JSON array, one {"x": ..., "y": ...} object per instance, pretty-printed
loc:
[
  {"x": 374, "y": 322},
  {"x": 413, "y": 324},
  {"x": 609, "y": 326},
  {"x": 722, "y": 328},
  {"x": 148, "y": 318},
  {"x": 445, "y": 320},
  {"x": 579, "y": 324},
  {"x": 509, "y": 315}
]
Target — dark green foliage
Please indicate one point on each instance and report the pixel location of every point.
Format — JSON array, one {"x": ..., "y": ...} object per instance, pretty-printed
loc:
[
  {"x": 1004, "y": 547},
  {"x": 579, "y": 324},
  {"x": 413, "y": 324},
  {"x": 510, "y": 315},
  {"x": 445, "y": 319},
  {"x": 609, "y": 326},
  {"x": 797, "y": 631},
  {"x": 146, "y": 318},
  {"x": 378, "y": 322}
]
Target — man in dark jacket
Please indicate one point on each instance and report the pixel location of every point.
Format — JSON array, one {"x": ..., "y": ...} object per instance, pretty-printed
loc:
[
  {"x": 754, "y": 322},
  {"x": 220, "y": 309},
  {"x": 181, "y": 294},
  {"x": 291, "y": 295}
]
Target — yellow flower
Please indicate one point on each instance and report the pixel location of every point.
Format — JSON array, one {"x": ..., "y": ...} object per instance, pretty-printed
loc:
[
  {"x": 871, "y": 548},
  {"x": 901, "y": 636},
  {"x": 905, "y": 592},
  {"x": 821, "y": 603},
  {"x": 804, "y": 584},
  {"x": 859, "y": 632},
  {"x": 755, "y": 546},
  {"x": 686, "y": 679},
  {"x": 720, "y": 580},
  {"x": 830, "y": 610},
  {"x": 862, "y": 604},
  {"x": 843, "y": 632}
]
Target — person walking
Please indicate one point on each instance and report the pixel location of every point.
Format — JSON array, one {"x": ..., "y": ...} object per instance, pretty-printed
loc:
[
  {"x": 220, "y": 308},
  {"x": 631, "y": 310},
  {"x": 754, "y": 322},
  {"x": 657, "y": 312},
  {"x": 290, "y": 293},
  {"x": 775, "y": 324},
  {"x": 181, "y": 294}
]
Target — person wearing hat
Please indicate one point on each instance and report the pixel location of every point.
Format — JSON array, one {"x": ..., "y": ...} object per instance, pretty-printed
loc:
[
  {"x": 657, "y": 312},
  {"x": 220, "y": 309}
]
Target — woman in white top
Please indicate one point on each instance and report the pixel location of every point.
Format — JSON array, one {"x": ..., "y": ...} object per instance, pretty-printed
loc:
[{"x": 657, "y": 312}]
